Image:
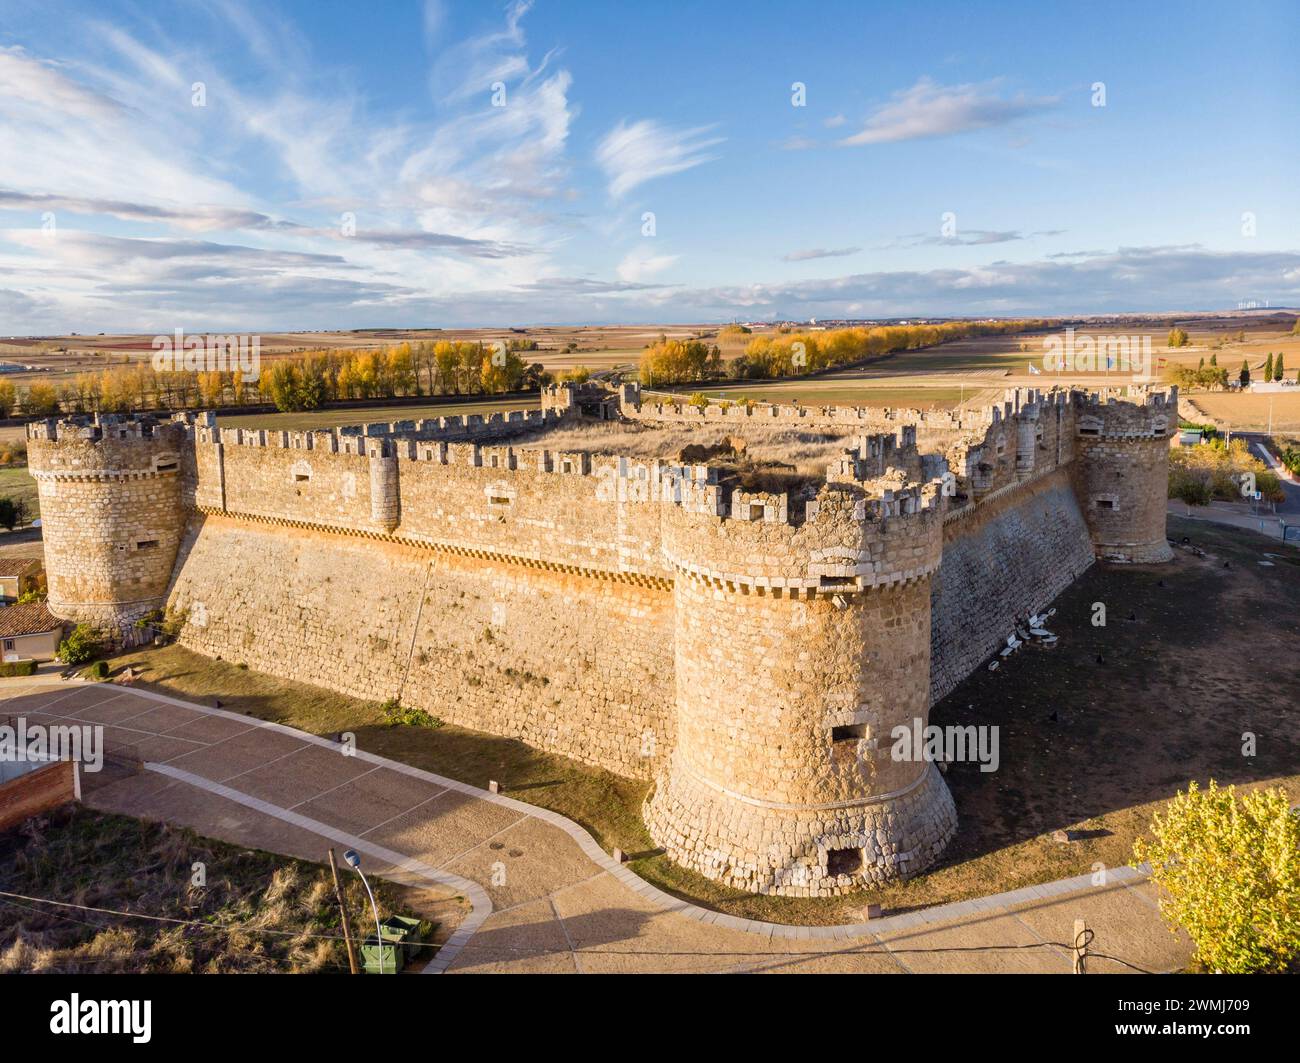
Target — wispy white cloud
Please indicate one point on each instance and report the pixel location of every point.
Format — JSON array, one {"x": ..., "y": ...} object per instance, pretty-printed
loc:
[
  {"x": 451, "y": 201},
  {"x": 636, "y": 152},
  {"x": 642, "y": 263},
  {"x": 808, "y": 254},
  {"x": 928, "y": 109}
]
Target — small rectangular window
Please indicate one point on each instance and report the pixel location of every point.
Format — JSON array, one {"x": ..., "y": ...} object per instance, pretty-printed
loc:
[
  {"x": 756, "y": 510},
  {"x": 838, "y": 582},
  {"x": 849, "y": 732},
  {"x": 9, "y": 644},
  {"x": 843, "y": 861},
  {"x": 498, "y": 500},
  {"x": 1105, "y": 503},
  {"x": 147, "y": 544},
  {"x": 168, "y": 466},
  {"x": 301, "y": 477}
]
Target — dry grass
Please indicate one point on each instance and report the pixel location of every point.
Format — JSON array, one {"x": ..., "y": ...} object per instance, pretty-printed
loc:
[{"x": 283, "y": 911}]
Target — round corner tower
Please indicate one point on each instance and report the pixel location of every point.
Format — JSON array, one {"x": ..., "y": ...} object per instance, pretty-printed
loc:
[
  {"x": 112, "y": 514},
  {"x": 1121, "y": 472},
  {"x": 799, "y": 649}
]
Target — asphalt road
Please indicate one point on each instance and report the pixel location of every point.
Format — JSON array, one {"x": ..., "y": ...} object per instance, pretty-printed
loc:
[{"x": 1290, "y": 487}]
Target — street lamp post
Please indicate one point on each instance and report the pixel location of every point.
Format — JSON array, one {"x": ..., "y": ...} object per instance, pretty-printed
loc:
[{"x": 353, "y": 859}]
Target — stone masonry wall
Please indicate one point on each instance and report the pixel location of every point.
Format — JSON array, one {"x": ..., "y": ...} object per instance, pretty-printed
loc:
[
  {"x": 1003, "y": 562},
  {"x": 575, "y": 665},
  {"x": 113, "y": 515}
]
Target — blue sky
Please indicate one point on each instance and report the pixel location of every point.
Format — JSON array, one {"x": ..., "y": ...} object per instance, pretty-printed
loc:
[{"x": 350, "y": 165}]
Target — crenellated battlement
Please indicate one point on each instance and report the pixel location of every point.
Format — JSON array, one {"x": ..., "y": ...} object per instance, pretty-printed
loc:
[{"x": 1143, "y": 413}]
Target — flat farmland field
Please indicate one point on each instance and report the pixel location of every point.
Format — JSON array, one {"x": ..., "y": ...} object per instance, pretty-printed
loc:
[
  {"x": 16, "y": 483},
  {"x": 333, "y": 418},
  {"x": 1247, "y": 412},
  {"x": 809, "y": 393}
]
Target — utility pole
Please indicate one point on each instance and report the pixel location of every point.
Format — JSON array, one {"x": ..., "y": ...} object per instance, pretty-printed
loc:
[{"x": 343, "y": 911}]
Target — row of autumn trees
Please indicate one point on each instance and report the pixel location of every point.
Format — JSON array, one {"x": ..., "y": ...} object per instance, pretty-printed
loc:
[
  {"x": 443, "y": 368},
  {"x": 300, "y": 382},
  {"x": 785, "y": 354}
]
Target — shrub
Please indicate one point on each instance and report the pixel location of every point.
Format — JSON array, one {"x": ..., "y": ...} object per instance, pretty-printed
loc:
[
  {"x": 396, "y": 714},
  {"x": 1189, "y": 487},
  {"x": 1231, "y": 868},
  {"x": 13, "y": 511},
  {"x": 98, "y": 670},
  {"x": 81, "y": 646},
  {"x": 11, "y": 668}
]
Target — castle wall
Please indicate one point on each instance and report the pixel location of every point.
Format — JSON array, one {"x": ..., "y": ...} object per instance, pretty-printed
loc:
[
  {"x": 1004, "y": 562},
  {"x": 574, "y": 665}
]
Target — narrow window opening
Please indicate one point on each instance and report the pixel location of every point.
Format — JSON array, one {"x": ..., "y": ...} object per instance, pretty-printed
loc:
[
  {"x": 168, "y": 466},
  {"x": 838, "y": 582},
  {"x": 301, "y": 477},
  {"x": 498, "y": 500},
  {"x": 849, "y": 732},
  {"x": 756, "y": 510},
  {"x": 1105, "y": 503},
  {"x": 147, "y": 544}
]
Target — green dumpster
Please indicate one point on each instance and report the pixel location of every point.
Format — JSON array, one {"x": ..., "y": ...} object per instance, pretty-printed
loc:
[
  {"x": 386, "y": 958},
  {"x": 405, "y": 931}
]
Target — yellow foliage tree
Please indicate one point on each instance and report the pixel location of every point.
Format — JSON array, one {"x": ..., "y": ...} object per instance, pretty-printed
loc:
[
  {"x": 7, "y": 397},
  {"x": 1230, "y": 866}
]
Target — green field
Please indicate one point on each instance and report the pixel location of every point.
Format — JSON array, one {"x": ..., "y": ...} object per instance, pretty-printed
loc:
[
  {"x": 15, "y": 483},
  {"x": 335, "y": 417},
  {"x": 824, "y": 392}
]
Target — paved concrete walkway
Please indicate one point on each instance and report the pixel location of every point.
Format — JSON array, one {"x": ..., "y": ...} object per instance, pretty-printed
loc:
[
  {"x": 1237, "y": 516},
  {"x": 540, "y": 894}
]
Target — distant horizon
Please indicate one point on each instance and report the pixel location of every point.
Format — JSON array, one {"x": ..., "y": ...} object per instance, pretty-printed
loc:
[{"x": 1159, "y": 315}]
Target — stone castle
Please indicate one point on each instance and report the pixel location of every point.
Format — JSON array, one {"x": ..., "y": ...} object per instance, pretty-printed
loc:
[{"x": 749, "y": 650}]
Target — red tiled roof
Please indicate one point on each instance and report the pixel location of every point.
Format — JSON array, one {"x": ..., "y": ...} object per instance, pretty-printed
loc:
[
  {"x": 33, "y": 618},
  {"x": 19, "y": 566}
]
